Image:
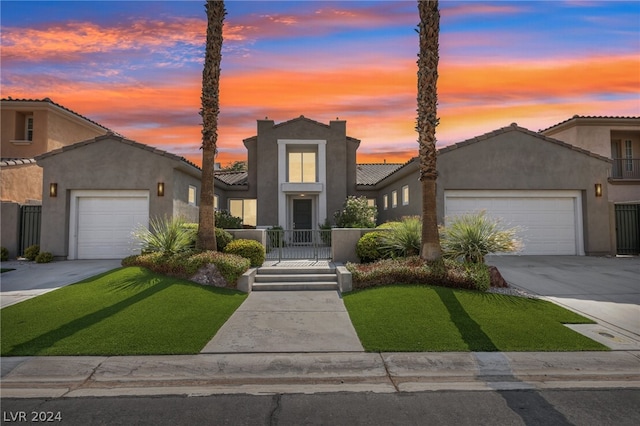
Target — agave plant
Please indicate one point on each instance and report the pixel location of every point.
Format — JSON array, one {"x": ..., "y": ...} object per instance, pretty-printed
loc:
[
  {"x": 473, "y": 236},
  {"x": 165, "y": 235},
  {"x": 402, "y": 239}
]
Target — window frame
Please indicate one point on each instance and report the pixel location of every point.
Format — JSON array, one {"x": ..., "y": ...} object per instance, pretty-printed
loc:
[
  {"x": 628, "y": 155},
  {"x": 385, "y": 201},
  {"x": 394, "y": 198},
  {"x": 405, "y": 195},
  {"x": 192, "y": 189}
]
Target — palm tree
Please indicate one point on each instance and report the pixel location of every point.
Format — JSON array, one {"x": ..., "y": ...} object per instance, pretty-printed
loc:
[
  {"x": 429, "y": 29},
  {"x": 210, "y": 109}
]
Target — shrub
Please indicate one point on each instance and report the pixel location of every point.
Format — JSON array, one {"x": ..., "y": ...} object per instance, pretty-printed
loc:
[
  {"x": 226, "y": 221},
  {"x": 403, "y": 238},
  {"x": 473, "y": 236},
  {"x": 167, "y": 235},
  {"x": 356, "y": 213},
  {"x": 412, "y": 270},
  {"x": 31, "y": 252},
  {"x": 185, "y": 265},
  {"x": 368, "y": 247},
  {"x": 250, "y": 249},
  {"x": 4, "y": 254},
  {"x": 44, "y": 257},
  {"x": 222, "y": 238}
]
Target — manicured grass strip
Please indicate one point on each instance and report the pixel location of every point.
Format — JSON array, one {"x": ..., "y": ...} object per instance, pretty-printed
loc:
[
  {"x": 433, "y": 319},
  {"x": 129, "y": 311}
]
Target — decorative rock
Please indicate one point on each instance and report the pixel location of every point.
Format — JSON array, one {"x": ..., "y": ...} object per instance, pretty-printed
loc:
[
  {"x": 209, "y": 275},
  {"x": 496, "y": 279}
]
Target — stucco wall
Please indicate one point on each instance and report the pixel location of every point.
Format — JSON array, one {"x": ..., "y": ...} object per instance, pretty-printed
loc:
[
  {"x": 21, "y": 183},
  {"x": 515, "y": 160},
  {"x": 107, "y": 164},
  {"x": 263, "y": 161},
  {"x": 180, "y": 194}
]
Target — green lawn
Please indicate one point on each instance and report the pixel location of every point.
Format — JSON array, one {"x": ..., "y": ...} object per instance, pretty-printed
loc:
[
  {"x": 424, "y": 318},
  {"x": 128, "y": 311}
]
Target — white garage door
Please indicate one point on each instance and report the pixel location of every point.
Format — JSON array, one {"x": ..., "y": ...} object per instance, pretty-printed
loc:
[
  {"x": 550, "y": 221},
  {"x": 105, "y": 223}
]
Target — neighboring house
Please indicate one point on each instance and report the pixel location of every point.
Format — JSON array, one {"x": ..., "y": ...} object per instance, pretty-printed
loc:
[
  {"x": 100, "y": 190},
  {"x": 30, "y": 127},
  {"x": 617, "y": 138}
]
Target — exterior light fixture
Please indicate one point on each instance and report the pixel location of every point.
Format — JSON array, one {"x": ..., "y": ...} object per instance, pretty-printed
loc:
[
  {"x": 160, "y": 189},
  {"x": 53, "y": 190},
  {"x": 598, "y": 190}
]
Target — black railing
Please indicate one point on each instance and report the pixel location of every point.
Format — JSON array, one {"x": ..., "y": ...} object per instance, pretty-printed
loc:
[
  {"x": 625, "y": 168},
  {"x": 298, "y": 244}
]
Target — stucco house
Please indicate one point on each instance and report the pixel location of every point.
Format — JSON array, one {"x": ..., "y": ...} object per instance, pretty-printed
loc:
[
  {"x": 30, "y": 127},
  {"x": 300, "y": 172},
  {"x": 98, "y": 191}
]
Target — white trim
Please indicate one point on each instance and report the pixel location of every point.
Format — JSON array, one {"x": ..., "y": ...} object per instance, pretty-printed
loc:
[
  {"x": 576, "y": 195},
  {"x": 318, "y": 188},
  {"x": 74, "y": 205}
]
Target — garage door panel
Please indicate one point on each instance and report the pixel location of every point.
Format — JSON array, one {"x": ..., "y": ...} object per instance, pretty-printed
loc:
[
  {"x": 105, "y": 226},
  {"x": 547, "y": 224}
]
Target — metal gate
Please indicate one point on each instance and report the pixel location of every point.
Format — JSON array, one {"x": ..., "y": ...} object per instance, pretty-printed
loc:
[
  {"x": 30, "y": 218},
  {"x": 627, "y": 228},
  {"x": 298, "y": 244}
]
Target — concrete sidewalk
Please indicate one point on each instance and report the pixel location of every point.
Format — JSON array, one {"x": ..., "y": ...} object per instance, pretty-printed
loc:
[
  {"x": 287, "y": 321},
  {"x": 199, "y": 375}
]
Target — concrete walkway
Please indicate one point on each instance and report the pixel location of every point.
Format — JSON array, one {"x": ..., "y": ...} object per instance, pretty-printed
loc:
[
  {"x": 287, "y": 321},
  {"x": 30, "y": 279}
]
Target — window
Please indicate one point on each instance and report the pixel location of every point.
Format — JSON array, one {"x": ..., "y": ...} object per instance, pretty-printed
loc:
[
  {"x": 28, "y": 128},
  {"x": 628, "y": 155},
  {"x": 302, "y": 167},
  {"x": 394, "y": 199},
  {"x": 371, "y": 202},
  {"x": 385, "y": 201},
  {"x": 245, "y": 209},
  {"x": 216, "y": 202},
  {"x": 192, "y": 195},
  {"x": 405, "y": 195}
]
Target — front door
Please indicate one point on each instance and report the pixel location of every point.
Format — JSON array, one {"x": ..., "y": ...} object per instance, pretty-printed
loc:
[{"x": 302, "y": 214}]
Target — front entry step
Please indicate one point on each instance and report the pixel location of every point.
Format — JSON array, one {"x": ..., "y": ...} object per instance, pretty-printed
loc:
[{"x": 295, "y": 279}]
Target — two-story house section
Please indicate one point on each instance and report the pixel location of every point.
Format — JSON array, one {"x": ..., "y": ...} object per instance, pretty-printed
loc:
[
  {"x": 299, "y": 173},
  {"x": 617, "y": 138},
  {"x": 31, "y": 127}
]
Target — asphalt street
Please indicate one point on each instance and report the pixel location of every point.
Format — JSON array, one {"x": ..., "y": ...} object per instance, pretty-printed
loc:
[{"x": 548, "y": 407}]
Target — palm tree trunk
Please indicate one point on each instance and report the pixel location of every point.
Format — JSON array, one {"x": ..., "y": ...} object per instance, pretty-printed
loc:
[
  {"x": 429, "y": 30},
  {"x": 210, "y": 110}
]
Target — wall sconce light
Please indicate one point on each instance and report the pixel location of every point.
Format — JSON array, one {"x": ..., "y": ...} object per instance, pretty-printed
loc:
[
  {"x": 160, "y": 189},
  {"x": 598, "y": 190},
  {"x": 53, "y": 190}
]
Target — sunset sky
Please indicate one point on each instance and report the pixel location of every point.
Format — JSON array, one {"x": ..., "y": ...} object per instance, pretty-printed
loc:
[{"x": 136, "y": 66}]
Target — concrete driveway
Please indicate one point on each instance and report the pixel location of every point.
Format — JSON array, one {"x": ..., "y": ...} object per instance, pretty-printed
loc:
[
  {"x": 30, "y": 279},
  {"x": 604, "y": 289}
]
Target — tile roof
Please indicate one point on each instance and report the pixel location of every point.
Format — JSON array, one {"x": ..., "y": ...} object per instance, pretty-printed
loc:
[
  {"x": 4, "y": 162},
  {"x": 515, "y": 128},
  {"x": 590, "y": 117},
  {"x": 48, "y": 100},
  {"x": 232, "y": 178},
  {"x": 372, "y": 173},
  {"x": 118, "y": 138}
]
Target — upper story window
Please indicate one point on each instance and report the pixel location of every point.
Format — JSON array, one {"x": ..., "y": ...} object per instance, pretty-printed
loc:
[
  {"x": 302, "y": 167},
  {"x": 28, "y": 128},
  {"x": 405, "y": 195},
  {"x": 628, "y": 155}
]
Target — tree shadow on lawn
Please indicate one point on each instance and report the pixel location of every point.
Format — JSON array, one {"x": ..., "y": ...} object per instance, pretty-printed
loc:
[{"x": 471, "y": 333}]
